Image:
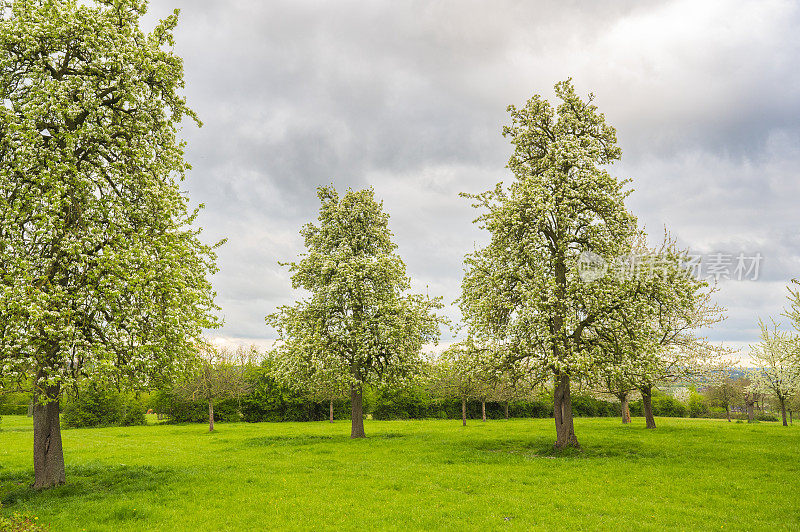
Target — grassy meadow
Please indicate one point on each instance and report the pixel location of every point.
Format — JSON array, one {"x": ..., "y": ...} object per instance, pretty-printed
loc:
[{"x": 687, "y": 475}]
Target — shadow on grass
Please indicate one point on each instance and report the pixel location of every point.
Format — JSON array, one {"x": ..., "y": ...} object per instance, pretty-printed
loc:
[
  {"x": 16, "y": 429},
  {"x": 95, "y": 481},
  {"x": 300, "y": 439},
  {"x": 543, "y": 448},
  {"x": 306, "y": 439}
]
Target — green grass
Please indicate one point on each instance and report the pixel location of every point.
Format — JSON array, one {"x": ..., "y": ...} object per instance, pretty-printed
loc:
[{"x": 687, "y": 474}]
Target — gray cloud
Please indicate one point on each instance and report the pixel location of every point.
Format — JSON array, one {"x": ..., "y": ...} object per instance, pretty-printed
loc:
[{"x": 410, "y": 97}]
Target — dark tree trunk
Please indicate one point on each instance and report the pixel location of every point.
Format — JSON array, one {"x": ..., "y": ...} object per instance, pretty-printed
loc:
[
  {"x": 728, "y": 412},
  {"x": 562, "y": 400},
  {"x": 331, "y": 410},
  {"x": 48, "y": 454},
  {"x": 562, "y": 411},
  {"x": 483, "y": 410},
  {"x": 506, "y": 409},
  {"x": 783, "y": 412},
  {"x": 750, "y": 413},
  {"x": 790, "y": 418},
  {"x": 356, "y": 412},
  {"x": 463, "y": 411},
  {"x": 626, "y": 409},
  {"x": 647, "y": 404},
  {"x": 210, "y": 415}
]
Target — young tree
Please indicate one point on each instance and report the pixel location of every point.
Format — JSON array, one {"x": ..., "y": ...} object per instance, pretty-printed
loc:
[
  {"x": 614, "y": 381},
  {"x": 511, "y": 385},
  {"x": 359, "y": 321},
  {"x": 751, "y": 397},
  {"x": 777, "y": 361},
  {"x": 793, "y": 312},
  {"x": 653, "y": 340},
  {"x": 102, "y": 271},
  {"x": 217, "y": 373},
  {"x": 793, "y": 405},
  {"x": 725, "y": 391},
  {"x": 461, "y": 372},
  {"x": 318, "y": 383}
]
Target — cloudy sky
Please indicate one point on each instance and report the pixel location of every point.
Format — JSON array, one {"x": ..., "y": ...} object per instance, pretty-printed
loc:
[{"x": 410, "y": 98}]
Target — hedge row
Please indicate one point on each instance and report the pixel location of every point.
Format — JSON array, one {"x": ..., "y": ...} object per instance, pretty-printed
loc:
[
  {"x": 95, "y": 406},
  {"x": 269, "y": 400},
  {"x": 416, "y": 403},
  {"x": 14, "y": 404}
]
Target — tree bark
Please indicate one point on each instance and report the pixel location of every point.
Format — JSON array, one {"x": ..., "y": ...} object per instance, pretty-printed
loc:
[
  {"x": 463, "y": 411},
  {"x": 626, "y": 409},
  {"x": 783, "y": 412},
  {"x": 356, "y": 412},
  {"x": 211, "y": 415},
  {"x": 331, "y": 410},
  {"x": 483, "y": 410},
  {"x": 562, "y": 412},
  {"x": 506, "y": 409},
  {"x": 647, "y": 404},
  {"x": 750, "y": 413},
  {"x": 728, "y": 411},
  {"x": 48, "y": 454}
]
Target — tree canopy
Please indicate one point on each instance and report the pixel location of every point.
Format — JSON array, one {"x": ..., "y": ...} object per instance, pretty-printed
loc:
[
  {"x": 359, "y": 321},
  {"x": 524, "y": 288}
]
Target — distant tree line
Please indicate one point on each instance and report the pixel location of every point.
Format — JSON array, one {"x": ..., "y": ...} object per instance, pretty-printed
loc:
[{"x": 265, "y": 397}]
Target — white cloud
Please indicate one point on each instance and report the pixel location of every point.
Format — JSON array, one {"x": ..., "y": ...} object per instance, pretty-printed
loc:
[{"x": 410, "y": 98}]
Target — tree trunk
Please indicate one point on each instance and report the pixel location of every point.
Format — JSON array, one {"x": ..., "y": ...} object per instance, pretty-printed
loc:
[
  {"x": 463, "y": 411},
  {"x": 626, "y": 409},
  {"x": 210, "y": 415},
  {"x": 483, "y": 410},
  {"x": 331, "y": 410},
  {"x": 506, "y": 409},
  {"x": 750, "y": 413},
  {"x": 356, "y": 412},
  {"x": 30, "y": 409},
  {"x": 562, "y": 412},
  {"x": 728, "y": 411},
  {"x": 48, "y": 454},
  {"x": 647, "y": 404},
  {"x": 783, "y": 412}
]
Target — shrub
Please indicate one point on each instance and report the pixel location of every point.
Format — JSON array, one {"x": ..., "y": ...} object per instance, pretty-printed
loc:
[
  {"x": 766, "y": 417},
  {"x": 588, "y": 406},
  {"x": 14, "y": 404},
  {"x": 663, "y": 405},
  {"x": 269, "y": 400},
  {"x": 697, "y": 405},
  {"x": 407, "y": 403},
  {"x": 180, "y": 410},
  {"x": 95, "y": 406},
  {"x": 714, "y": 414}
]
